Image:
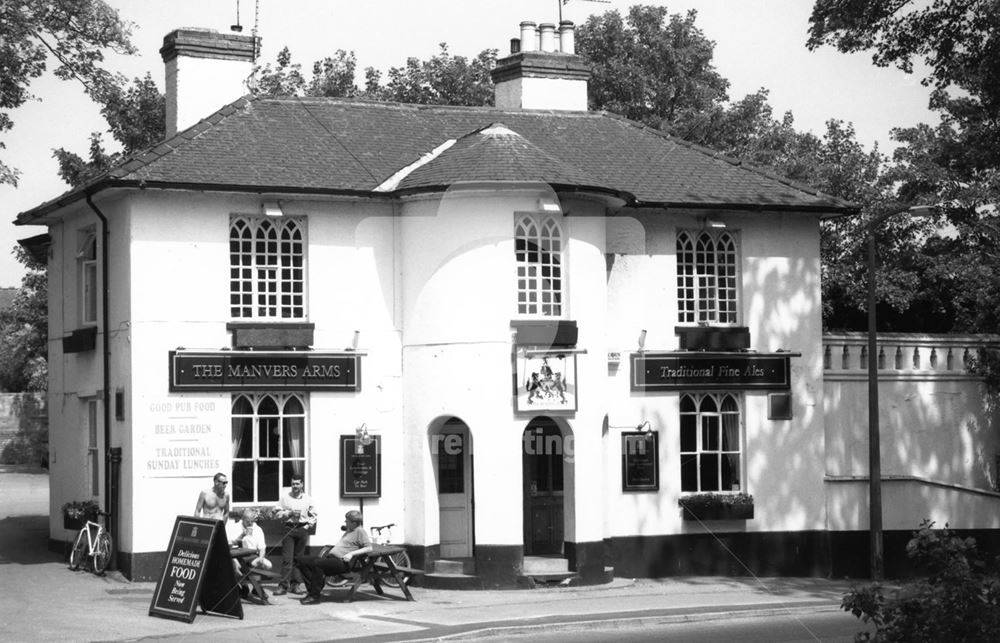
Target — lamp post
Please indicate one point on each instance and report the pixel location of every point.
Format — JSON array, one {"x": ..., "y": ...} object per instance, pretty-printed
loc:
[{"x": 874, "y": 436}]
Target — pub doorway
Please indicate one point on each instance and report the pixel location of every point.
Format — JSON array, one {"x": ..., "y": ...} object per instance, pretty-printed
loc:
[
  {"x": 451, "y": 447},
  {"x": 544, "y": 487}
]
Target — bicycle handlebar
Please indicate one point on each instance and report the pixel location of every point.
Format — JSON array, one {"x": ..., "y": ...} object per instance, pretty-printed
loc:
[{"x": 380, "y": 528}]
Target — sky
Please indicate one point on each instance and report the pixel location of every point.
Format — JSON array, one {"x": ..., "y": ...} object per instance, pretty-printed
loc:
[{"x": 758, "y": 43}]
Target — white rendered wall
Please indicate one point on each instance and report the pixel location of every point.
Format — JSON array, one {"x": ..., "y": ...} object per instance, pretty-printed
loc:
[
  {"x": 349, "y": 252},
  {"x": 198, "y": 87},
  {"x": 541, "y": 93},
  {"x": 457, "y": 262},
  {"x": 777, "y": 252}
]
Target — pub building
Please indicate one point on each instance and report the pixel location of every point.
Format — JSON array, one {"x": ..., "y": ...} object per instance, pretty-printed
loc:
[{"x": 526, "y": 334}]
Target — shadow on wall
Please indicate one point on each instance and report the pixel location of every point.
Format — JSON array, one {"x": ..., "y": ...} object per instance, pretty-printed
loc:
[{"x": 24, "y": 429}]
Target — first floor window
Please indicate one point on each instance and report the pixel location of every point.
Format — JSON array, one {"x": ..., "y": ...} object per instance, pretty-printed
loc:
[
  {"x": 267, "y": 268},
  {"x": 707, "y": 277},
  {"x": 711, "y": 451},
  {"x": 538, "y": 253},
  {"x": 87, "y": 263},
  {"x": 268, "y": 445}
]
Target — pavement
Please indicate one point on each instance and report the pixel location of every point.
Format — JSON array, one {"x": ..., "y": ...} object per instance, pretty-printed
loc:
[{"x": 41, "y": 599}]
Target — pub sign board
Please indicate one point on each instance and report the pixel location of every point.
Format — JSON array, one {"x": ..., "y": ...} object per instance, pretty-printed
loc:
[
  {"x": 707, "y": 371},
  {"x": 640, "y": 461},
  {"x": 360, "y": 469},
  {"x": 198, "y": 571},
  {"x": 264, "y": 371}
]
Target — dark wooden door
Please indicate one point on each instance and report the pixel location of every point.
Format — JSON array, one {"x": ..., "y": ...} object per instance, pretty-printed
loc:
[{"x": 543, "y": 488}]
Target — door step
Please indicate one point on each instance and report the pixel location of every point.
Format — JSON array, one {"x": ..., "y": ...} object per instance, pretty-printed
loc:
[
  {"x": 540, "y": 565},
  {"x": 454, "y": 566}
]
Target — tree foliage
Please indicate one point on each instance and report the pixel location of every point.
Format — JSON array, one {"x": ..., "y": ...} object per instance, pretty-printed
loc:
[
  {"x": 652, "y": 69},
  {"x": 954, "y": 164},
  {"x": 72, "y": 34},
  {"x": 441, "y": 80},
  {"x": 24, "y": 331},
  {"x": 136, "y": 117},
  {"x": 956, "y": 599}
]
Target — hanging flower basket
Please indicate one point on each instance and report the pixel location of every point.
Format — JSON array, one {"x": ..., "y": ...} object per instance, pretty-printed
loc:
[
  {"x": 77, "y": 512},
  {"x": 717, "y": 506}
]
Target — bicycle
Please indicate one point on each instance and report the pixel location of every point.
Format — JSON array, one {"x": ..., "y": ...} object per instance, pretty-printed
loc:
[
  {"x": 95, "y": 542},
  {"x": 400, "y": 560}
]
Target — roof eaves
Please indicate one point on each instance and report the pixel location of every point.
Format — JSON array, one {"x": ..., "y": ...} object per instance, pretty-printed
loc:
[
  {"x": 846, "y": 206},
  {"x": 116, "y": 175}
]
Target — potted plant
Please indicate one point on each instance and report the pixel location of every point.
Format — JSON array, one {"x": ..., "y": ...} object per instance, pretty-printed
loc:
[
  {"x": 77, "y": 512},
  {"x": 717, "y": 506}
]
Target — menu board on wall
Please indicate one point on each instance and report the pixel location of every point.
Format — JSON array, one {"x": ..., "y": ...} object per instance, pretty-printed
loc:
[
  {"x": 198, "y": 571},
  {"x": 640, "y": 461},
  {"x": 360, "y": 467}
]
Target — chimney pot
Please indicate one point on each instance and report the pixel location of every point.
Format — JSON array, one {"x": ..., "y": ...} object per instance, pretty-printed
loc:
[
  {"x": 529, "y": 36},
  {"x": 515, "y": 45},
  {"x": 548, "y": 31},
  {"x": 567, "y": 39}
]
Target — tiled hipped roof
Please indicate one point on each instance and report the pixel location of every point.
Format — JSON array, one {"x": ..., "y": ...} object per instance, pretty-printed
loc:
[{"x": 334, "y": 146}]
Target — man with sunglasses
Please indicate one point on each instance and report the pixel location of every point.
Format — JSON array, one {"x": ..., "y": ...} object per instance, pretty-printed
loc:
[{"x": 214, "y": 503}]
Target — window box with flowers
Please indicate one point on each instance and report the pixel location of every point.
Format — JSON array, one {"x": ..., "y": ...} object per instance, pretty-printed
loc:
[
  {"x": 717, "y": 506},
  {"x": 77, "y": 512}
]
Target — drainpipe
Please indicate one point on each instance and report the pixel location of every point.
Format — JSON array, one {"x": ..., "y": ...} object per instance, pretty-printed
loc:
[{"x": 106, "y": 361}]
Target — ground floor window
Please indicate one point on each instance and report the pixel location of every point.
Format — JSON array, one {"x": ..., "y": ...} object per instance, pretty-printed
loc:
[
  {"x": 711, "y": 442},
  {"x": 93, "y": 453},
  {"x": 269, "y": 444}
]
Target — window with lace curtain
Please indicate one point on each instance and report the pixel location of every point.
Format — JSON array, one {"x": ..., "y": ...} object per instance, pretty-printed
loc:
[
  {"x": 266, "y": 268},
  {"x": 707, "y": 277},
  {"x": 269, "y": 445},
  {"x": 711, "y": 442}
]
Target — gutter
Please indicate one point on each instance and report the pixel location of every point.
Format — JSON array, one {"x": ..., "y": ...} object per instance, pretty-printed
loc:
[{"x": 106, "y": 361}]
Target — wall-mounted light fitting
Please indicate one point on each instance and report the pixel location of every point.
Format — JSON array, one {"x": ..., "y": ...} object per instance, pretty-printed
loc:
[
  {"x": 642, "y": 340},
  {"x": 546, "y": 204},
  {"x": 644, "y": 427},
  {"x": 363, "y": 439},
  {"x": 271, "y": 209}
]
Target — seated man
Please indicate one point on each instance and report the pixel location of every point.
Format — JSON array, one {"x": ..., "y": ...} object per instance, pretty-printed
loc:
[
  {"x": 315, "y": 569},
  {"x": 247, "y": 533}
]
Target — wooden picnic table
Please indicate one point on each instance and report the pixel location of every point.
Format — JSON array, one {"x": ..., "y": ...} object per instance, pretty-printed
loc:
[
  {"x": 253, "y": 575},
  {"x": 380, "y": 555}
]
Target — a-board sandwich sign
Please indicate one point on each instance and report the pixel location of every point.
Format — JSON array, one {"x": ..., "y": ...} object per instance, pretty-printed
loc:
[{"x": 198, "y": 572}]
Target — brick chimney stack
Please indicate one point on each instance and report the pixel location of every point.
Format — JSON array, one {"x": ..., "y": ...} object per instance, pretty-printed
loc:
[
  {"x": 205, "y": 70},
  {"x": 543, "y": 71}
]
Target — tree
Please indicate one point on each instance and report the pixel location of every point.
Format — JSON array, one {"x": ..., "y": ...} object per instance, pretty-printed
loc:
[
  {"x": 650, "y": 69},
  {"x": 956, "y": 164},
  {"x": 442, "y": 80},
  {"x": 136, "y": 118},
  {"x": 24, "y": 331},
  {"x": 72, "y": 33}
]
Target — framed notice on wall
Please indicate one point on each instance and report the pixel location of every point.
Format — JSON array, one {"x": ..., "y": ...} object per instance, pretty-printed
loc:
[
  {"x": 360, "y": 467},
  {"x": 640, "y": 461}
]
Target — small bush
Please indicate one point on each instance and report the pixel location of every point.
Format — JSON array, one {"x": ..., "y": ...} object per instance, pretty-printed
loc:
[{"x": 957, "y": 600}]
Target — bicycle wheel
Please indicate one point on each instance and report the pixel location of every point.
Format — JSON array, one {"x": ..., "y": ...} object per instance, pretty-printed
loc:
[
  {"x": 102, "y": 553},
  {"x": 402, "y": 559},
  {"x": 79, "y": 551}
]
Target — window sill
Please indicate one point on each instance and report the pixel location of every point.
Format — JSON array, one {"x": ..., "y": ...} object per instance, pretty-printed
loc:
[{"x": 272, "y": 335}]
